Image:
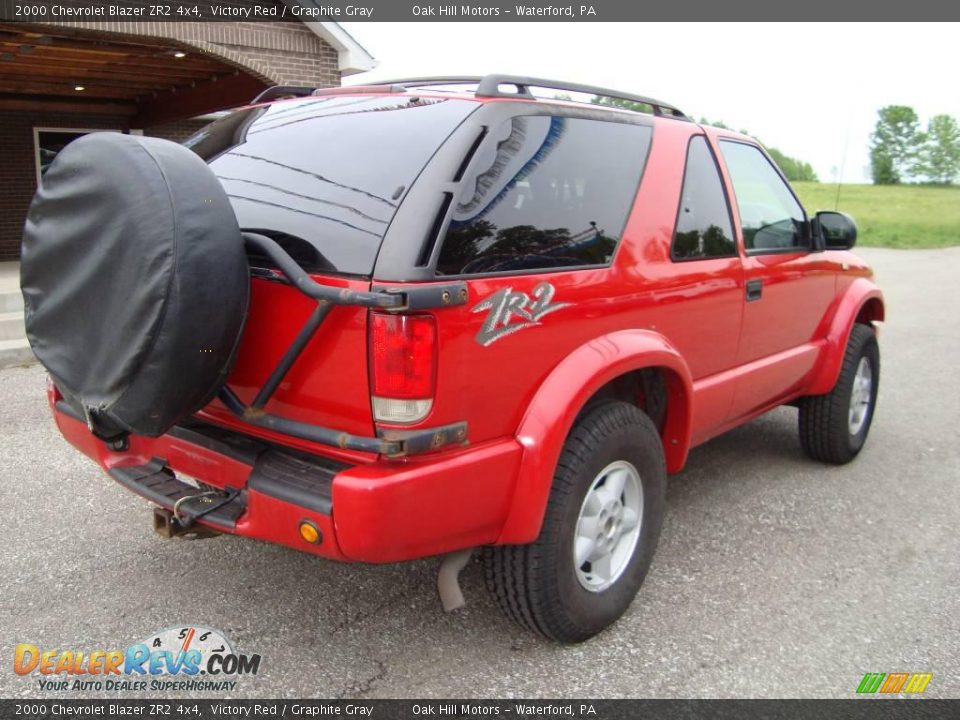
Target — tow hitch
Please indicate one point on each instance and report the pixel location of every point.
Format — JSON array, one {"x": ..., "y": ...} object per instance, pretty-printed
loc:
[{"x": 167, "y": 526}]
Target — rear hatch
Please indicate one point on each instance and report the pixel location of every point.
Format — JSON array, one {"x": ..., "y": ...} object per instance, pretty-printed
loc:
[{"x": 323, "y": 177}]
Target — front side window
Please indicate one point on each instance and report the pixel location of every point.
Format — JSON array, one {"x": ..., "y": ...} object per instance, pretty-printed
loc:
[
  {"x": 771, "y": 217},
  {"x": 703, "y": 226},
  {"x": 545, "y": 192}
]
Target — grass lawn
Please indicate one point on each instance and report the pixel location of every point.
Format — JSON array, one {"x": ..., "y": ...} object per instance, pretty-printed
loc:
[{"x": 895, "y": 216}]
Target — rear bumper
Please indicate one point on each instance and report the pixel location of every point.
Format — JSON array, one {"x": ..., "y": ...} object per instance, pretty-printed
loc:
[{"x": 383, "y": 511}]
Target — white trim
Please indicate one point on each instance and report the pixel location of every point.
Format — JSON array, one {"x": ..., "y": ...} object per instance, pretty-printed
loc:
[
  {"x": 36, "y": 141},
  {"x": 352, "y": 57}
]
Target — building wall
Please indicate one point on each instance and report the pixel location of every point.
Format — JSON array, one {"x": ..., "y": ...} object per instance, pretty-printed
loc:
[
  {"x": 285, "y": 53},
  {"x": 176, "y": 131},
  {"x": 18, "y": 170},
  {"x": 278, "y": 53}
]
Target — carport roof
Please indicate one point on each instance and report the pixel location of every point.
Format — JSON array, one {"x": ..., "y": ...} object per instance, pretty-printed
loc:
[
  {"x": 55, "y": 68},
  {"x": 149, "y": 79}
]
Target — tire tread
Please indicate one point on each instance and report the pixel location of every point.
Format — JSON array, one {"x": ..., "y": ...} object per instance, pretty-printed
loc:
[
  {"x": 516, "y": 574},
  {"x": 823, "y": 418}
]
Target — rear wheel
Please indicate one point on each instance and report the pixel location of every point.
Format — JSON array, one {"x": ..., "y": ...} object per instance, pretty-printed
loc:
[
  {"x": 834, "y": 427},
  {"x": 599, "y": 533}
]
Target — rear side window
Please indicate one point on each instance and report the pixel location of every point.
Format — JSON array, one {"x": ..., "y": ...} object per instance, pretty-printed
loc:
[
  {"x": 324, "y": 176},
  {"x": 703, "y": 227},
  {"x": 770, "y": 215},
  {"x": 545, "y": 192}
]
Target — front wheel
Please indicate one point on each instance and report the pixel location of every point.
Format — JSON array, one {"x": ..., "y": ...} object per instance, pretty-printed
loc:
[
  {"x": 834, "y": 427},
  {"x": 599, "y": 533}
]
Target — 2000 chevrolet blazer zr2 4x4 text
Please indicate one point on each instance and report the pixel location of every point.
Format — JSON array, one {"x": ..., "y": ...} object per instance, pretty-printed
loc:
[{"x": 386, "y": 322}]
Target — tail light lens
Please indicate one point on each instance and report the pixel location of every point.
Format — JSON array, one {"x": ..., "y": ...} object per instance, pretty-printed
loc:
[{"x": 403, "y": 362}]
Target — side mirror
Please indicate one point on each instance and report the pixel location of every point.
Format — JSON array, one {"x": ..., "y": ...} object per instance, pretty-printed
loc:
[{"x": 836, "y": 230}]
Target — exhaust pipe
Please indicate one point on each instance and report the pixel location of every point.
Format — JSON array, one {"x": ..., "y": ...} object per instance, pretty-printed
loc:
[{"x": 448, "y": 579}]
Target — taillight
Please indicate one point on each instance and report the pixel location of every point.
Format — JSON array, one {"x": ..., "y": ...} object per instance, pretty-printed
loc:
[{"x": 403, "y": 362}]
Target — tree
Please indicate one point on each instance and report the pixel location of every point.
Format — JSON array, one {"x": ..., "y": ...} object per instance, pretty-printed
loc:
[
  {"x": 881, "y": 168},
  {"x": 795, "y": 170},
  {"x": 940, "y": 157},
  {"x": 895, "y": 145},
  {"x": 622, "y": 104}
]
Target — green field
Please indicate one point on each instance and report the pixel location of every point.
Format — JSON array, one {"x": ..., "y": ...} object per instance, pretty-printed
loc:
[{"x": 895, "y": 216}]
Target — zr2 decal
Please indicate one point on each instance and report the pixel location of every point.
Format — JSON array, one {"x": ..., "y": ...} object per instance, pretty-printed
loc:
[{"x": 507, "y": 304}]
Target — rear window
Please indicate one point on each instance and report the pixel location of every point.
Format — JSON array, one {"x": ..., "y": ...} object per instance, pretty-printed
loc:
[
  {"x": 324, "y": 176},
  {"x": 546, "y": 192}
]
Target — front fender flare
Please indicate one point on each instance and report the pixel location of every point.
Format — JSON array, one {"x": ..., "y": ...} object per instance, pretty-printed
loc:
[
  {"x": 551, "y": 414},
  {"x": 862, "y": 293}
]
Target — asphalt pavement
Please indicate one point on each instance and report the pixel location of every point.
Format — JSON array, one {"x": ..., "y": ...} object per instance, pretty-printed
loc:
[{"x": 775, "y": 576}]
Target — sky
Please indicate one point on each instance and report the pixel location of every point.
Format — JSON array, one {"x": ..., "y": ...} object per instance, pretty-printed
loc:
[{"x": 812, "y": 90}]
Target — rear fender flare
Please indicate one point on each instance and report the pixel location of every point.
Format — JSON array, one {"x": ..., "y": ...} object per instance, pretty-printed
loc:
[
  {"x": 863, "y": 300},
  {"x": 553, "y": 410}
]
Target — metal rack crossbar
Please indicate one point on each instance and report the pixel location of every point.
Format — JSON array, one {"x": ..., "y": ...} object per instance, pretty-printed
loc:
[{"x": 488, "y": 86}]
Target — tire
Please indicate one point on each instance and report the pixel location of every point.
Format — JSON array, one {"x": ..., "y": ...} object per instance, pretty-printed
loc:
[
  {"x": 830, "y": 430},
  {"x": 540, "y": 585},
  {"x": 135, "y": 282}
]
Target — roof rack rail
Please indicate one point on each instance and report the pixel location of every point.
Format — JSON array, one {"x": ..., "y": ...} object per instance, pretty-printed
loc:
[
  {"x": 488, "y": 86},
  {"x": 279, "y": 91},
  {"x": 358, "y": 89}
]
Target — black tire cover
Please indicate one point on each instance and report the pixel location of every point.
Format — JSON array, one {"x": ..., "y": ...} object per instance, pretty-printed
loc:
[{"x": 135, "y": 281}]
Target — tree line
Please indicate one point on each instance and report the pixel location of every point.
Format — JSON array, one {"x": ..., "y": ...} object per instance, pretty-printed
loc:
[
  {"x": 794, "y": 169},
  {"x": 901, "y": 151}
]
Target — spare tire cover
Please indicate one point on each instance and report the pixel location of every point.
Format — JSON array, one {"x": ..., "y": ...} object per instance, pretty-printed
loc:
[{"x": 135, "y": 281}]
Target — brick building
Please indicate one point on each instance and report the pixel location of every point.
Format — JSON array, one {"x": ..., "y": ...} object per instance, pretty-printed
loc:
[{"x": 58, "y": 80}]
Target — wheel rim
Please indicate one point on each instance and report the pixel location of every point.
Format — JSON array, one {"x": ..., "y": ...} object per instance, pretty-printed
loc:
[
  {"x": 860, "y": 396},
  {"x": 608, "y": 526}
]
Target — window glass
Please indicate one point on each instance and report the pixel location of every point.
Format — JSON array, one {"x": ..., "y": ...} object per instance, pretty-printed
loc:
[
  {"x": 545, "y": 192},
  {"x": 771, "y": 217},
  {"x": 323, "y": 176},
  {"x": 50, "y": 142},
  {"x": 703, "y": 223}
]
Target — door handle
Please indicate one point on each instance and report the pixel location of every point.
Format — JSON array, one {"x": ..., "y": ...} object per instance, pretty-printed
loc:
[{"x": 754, "y": 290}]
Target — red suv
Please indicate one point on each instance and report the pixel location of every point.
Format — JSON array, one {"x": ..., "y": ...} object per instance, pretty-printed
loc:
[{"x": 386, "y": 322}]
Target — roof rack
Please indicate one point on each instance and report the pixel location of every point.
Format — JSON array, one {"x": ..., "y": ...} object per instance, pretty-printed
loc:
[
  {"x": 279, "y": 91},
  {"x": 488, "y": 86}
]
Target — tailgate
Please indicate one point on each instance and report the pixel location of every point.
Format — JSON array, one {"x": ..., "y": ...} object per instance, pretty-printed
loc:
[{"x": 327, "y": 385}]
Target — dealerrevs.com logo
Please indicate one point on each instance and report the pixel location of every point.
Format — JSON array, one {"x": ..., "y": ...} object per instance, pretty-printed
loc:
[{"x": 182, "y": 659}]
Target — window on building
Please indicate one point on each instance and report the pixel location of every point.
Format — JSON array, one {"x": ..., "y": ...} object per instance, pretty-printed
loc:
[
  {"x": 545, "y": 192},
  {"x": 770, "y": 215},
  {"x": 48, "y": 142},
  {"x": 704, "y": 229}
]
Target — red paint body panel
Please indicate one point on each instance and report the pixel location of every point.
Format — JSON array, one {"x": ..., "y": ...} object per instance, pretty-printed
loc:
[
  {"x": 384, "y": 512},
  {"x": 724, "y": 360},
  {"x": 277, "y": 312},
  {"x": 860, "y": 290},
  {"x": 397, "y": 511},
  {"x": 551, "y": 414}
]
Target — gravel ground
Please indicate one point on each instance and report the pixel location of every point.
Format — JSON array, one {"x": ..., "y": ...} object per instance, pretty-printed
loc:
[{"x": 775, "y": 577}]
